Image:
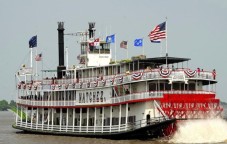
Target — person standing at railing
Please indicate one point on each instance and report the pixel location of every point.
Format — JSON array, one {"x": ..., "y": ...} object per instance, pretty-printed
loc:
[
  {"x": 198, "y": 71},
  {"x": 214, "y": 74}
]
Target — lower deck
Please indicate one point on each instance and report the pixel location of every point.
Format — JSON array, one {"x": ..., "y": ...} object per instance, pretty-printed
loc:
[{"x": 112, "y": 119}]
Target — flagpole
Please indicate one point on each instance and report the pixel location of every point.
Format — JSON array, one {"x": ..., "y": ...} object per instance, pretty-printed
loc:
[
  {"x": 161, "y": 48},
  {"x": 166, "y": 44},
  {"x": 115, "y": 48},
  {"x": 31, "y": 55},
  {"x": 127, "y": 49},
  {"x": 36, "y": 64},
  {"x": 143, "y": 46},
  {"x": 42, "y": 65}
]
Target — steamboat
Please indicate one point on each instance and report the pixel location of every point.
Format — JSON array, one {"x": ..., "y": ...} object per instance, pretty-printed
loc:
[{"x": 135, "y": 98}]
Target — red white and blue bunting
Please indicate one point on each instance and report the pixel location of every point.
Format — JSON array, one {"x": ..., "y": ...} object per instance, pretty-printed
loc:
[
  {"x": 164, "y": 73},
  {"x": 137, "y": 76},
  {"x": 190, "y": 73}
]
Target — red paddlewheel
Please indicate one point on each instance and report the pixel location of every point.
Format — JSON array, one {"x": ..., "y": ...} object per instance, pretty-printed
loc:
[
  {"x": 191, "y": 106},
  {"x": 170, "y": 130}
]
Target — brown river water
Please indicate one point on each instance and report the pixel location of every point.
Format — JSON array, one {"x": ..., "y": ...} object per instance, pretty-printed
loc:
[
  {"x": 9, "y": 135},
  {"x": 202, "y": 131}
]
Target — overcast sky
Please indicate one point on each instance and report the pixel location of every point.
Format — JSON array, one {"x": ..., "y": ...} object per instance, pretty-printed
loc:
[{"x": 196, "y": 30}]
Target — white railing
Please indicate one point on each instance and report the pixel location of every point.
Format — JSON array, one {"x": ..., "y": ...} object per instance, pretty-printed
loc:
[
  {"x": 82, "y": 83},
  {"x": 76, "y": 129},
  {"x": 91, "y": 129},
  {"x": 113, "y": 100}
]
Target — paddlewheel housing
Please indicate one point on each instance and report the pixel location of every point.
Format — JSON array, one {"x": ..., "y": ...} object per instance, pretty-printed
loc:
[{"x": 191, "y": 106}]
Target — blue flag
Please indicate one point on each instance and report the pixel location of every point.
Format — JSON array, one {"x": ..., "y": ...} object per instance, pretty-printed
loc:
[
  {"x": 33, "y": 42},
  {"x": 110, "y": 39},
  {"x": 138, "y": 42}
]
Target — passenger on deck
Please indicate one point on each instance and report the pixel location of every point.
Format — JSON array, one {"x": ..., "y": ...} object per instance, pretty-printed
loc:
[
  {"x": 198, "y": 71},
  {"x": 214, "y": 74},
  {"x": 127, "y": 91}
]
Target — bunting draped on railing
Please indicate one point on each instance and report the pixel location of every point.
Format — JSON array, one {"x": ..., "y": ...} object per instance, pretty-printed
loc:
[
  {"x": 190, "y": 73},
  {"x": 137, "y": 75},
  {"x": 164, "y": 73}
]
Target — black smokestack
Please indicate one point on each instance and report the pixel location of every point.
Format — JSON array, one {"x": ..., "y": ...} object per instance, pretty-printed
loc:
[
  {"x": 61, "y": 50},
  {"x": 91, "y": 29}
]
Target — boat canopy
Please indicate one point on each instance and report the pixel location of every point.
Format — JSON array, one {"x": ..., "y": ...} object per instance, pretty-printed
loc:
[{"x": 162, "y": 60}]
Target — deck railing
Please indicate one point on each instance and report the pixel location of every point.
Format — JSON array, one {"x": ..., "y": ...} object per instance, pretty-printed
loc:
[
  {"x": 112, "y": 100},
  {"x": 90, "y": 129},
  {"x": 153, "y": 74}
]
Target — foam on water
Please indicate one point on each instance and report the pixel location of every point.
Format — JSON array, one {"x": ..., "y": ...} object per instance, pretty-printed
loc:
[{"x": 201, "y": 131}]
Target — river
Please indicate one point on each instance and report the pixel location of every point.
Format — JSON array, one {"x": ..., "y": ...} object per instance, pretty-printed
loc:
[
  {"x": 8, "y": 135},
  {"x": 207, "y": 131}
]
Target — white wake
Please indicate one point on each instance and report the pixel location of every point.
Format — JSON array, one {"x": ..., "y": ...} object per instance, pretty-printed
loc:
[{"x": 201, "y": 131}]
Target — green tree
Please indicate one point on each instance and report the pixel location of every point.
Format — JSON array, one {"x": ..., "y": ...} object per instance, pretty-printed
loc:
[
  {"x": 12, "y": 103},
  {"x": 4, "y": 105}
]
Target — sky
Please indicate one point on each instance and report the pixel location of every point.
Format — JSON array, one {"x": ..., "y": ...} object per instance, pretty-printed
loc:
[{"x": 196, "y": 29}]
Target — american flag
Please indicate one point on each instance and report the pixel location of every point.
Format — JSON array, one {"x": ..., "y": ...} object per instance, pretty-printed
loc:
[
  {"x": 96, "y": 42},
  {"x": 123, "y": 44},
  {"x": 38, "y": 57},
  {"x": 158, "y": 33}
]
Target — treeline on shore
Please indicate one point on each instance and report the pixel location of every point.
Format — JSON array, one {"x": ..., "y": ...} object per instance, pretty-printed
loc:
[{"x": 5, "y": 105}]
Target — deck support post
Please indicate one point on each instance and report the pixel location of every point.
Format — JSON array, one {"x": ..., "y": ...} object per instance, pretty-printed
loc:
[
  {"x": 21, "y": 114},
  {"x": 60, "y": 118},
  {"x": 111, "y": 108},
  {"x": 119, "y": 123},
  {"x": 37, "y": 117},
  {"x": 126, "y": 117},
  {"x": 42, "y": 117},
  {"x": 52, "y": 118},
  {"x": 80, "y": 118},
  {"x": 87, "y": 118},
  {"x": 17, "y": 116},
  {"x": 73, "y": 118},
  {"x": 67, "y": 119},
  {"x": 31, "y": 117},
  {"x": 102, "y": 118},
  {"x": 26, "y": 117},
  {"x": 95, "y": 120},
  {"x": 48, "y": 118}
]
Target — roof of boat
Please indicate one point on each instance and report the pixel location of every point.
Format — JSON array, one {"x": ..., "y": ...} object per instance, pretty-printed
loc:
[{"x": 162, "y": 60}]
